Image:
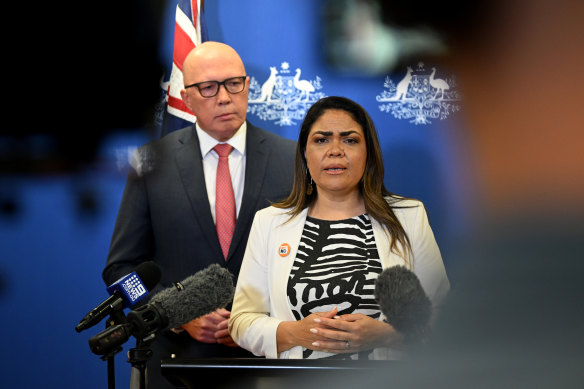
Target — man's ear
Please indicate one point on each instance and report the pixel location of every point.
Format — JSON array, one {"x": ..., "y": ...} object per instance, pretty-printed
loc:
[{"x": 186, "y": 98}]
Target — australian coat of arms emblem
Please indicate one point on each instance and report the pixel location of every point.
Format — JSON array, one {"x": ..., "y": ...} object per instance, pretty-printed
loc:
[
  {"x": 283, "y": 97},
  {"x": 419, "y": 96}
]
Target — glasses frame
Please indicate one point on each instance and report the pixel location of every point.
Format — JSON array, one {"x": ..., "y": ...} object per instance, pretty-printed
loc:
[{"x": 218, "y": 83}]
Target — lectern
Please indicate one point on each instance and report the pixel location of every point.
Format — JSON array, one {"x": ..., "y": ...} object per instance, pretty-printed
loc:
[{"x": 270, "y": 373}]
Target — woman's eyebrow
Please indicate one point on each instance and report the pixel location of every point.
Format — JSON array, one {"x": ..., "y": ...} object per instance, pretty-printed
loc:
[{"x": 330, "y": 133}]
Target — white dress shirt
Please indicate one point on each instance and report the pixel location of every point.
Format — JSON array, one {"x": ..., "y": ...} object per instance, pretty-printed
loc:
[{"x": 236, "y": 164}]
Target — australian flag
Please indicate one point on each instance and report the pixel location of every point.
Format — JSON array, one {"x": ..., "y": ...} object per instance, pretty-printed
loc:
[{"x": 189, "y": 31}]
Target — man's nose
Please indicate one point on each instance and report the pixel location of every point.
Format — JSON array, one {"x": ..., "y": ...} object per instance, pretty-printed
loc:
[{"x": 222, "y": 95}]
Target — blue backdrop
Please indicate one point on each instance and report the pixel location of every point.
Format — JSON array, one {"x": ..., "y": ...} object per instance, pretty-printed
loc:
[{"x": 55, "y": 230}]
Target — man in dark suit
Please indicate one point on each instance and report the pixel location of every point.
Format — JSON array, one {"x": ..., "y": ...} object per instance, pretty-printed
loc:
[{"x": 167, "y": 213}]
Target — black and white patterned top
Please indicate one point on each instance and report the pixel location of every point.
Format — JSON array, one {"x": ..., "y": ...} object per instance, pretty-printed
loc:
[{"x": 336, "y": 265}]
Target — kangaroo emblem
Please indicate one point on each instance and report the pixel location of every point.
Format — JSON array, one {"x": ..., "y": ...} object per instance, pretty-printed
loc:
[
  {"x": 268, "y": 86},
  {"x": 402, "y": 87}
]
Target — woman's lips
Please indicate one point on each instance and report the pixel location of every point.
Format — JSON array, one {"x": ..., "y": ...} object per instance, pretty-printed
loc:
[{"x": 335, "y": 169}]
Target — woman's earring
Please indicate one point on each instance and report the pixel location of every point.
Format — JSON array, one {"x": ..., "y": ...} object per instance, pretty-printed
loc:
[{"x": 309, "y": 189}]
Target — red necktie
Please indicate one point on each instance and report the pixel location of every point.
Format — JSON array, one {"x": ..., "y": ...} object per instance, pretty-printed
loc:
[{"x": 224, "y": 199}]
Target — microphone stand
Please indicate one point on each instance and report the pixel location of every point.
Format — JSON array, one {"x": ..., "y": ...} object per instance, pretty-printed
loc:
[
  {"x": 138, "y": 357},
  {"x": 116, "y": 317}
]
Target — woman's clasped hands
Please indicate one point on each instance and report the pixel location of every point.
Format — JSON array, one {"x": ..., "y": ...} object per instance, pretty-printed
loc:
[{"x": 333, "y": 333}]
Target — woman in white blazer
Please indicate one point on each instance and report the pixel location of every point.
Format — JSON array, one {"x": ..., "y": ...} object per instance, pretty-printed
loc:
[{"x": 306, "y": 285}]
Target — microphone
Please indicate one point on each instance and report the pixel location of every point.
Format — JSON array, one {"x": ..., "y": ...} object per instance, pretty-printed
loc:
[
  {"x": 404, "y": 303},
  {"x": 125, "y": 292},
  {"x": 195, "y": 296}
]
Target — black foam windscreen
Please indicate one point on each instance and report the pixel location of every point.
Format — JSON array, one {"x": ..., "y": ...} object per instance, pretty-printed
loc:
[{"x": 403, "y": 301}]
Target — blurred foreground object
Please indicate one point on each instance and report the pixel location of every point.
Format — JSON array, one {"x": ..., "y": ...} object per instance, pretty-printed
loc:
[
  {"x": 514, "y": 317},
  {"x": 93, "y": 69}
]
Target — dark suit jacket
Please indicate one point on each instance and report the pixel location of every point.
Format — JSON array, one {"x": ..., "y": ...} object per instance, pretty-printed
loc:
[{"x": 165, "y": 216}]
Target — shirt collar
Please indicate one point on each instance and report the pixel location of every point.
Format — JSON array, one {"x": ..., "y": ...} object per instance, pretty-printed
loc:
[{"x": 207, "y": 142}]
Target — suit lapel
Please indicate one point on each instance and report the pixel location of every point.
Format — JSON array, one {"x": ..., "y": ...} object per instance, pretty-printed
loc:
[
  {"x": 256, "y": 163},
  {"x": 287, "y": 231},
  {"x": 190, "y": 166}
]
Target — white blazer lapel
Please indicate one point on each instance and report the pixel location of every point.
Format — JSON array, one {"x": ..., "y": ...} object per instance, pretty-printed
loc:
[
  {"x": 382, "y": 240},
  {"x": 286, "y": 236}
]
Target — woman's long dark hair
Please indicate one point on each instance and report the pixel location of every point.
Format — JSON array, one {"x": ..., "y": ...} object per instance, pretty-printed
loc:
[{"x": 371, "y": 186}]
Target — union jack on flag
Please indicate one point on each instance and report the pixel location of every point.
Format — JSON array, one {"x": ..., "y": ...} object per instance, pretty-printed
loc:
[{"x": 189, "y": 31}]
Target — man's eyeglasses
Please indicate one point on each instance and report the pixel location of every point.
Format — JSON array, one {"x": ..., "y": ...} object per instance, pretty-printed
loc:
[{"x": 211, "y": 88}]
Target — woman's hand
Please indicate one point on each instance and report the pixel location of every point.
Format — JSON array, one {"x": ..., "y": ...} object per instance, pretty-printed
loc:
[
  {"x": 301, "y": 333},
  {"x": 353, "y": 333}
]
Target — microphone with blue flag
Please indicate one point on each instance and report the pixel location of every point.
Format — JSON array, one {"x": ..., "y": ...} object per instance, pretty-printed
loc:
[{"x": 124, "y": 293}]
